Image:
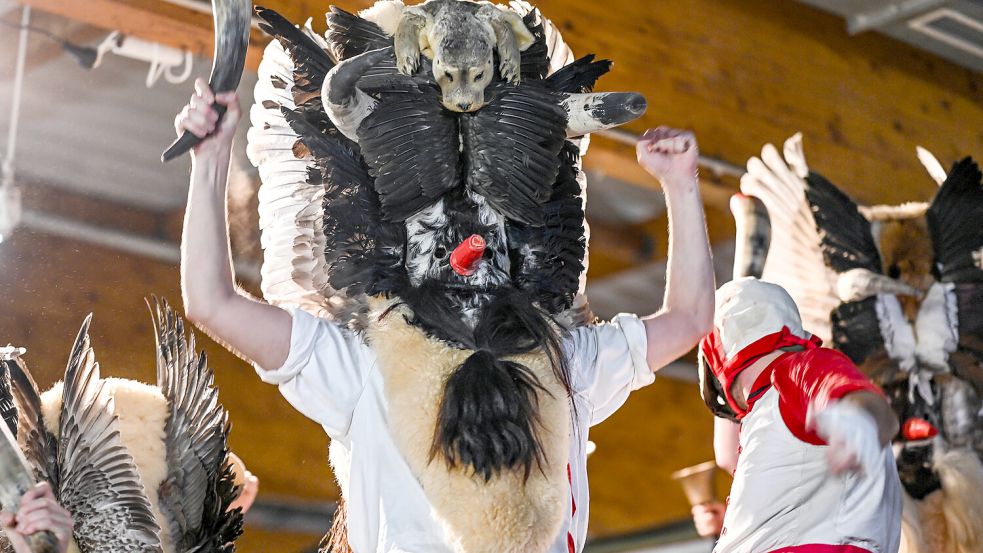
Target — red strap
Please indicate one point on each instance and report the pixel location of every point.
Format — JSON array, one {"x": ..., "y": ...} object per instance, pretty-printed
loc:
[
  {"x": 820, "y": 548},
  {"x": 571, "y": 546}
]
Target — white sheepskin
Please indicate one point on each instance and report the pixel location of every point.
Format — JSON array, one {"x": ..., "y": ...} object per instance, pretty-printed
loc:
[
  {"x": 961, "y": 474},
  {"x": 385, "y": 14},
  {"x": 141, "y": 411},
  {"x": 503, "y": 515},
  {"x": 949, "y": 520}
]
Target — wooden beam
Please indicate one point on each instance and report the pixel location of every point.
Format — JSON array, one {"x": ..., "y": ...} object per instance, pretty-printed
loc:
[{"x": 152, "y": 20}]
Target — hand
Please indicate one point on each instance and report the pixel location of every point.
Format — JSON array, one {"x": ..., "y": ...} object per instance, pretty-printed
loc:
[
  {"x": 200, "y": 118},
  {"x": 39, "y": 511},
  {"x": 669, "y": 155},
  {"x": 709, "y": 518},
  {"x": 250, "y": 489},
  {"x": 852, "y": 436}
]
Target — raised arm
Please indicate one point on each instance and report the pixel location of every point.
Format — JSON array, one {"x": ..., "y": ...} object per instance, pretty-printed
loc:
[
  {"x": 670, "y": 155},
  {"x": 255, "y": 330}
]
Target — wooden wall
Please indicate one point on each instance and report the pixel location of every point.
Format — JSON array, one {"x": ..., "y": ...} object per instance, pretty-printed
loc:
[{"x": 740, "y": 73}]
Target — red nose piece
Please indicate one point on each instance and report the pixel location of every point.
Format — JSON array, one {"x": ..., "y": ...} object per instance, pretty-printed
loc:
[
  {"x": 465, "y": 258},
  {"x": 915, "y": 429}
]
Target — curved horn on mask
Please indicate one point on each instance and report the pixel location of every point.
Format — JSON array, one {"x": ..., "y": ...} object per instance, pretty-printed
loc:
[
  {"x": 860, "y": 284},
  {"x": 344, "y": 103},
  {"x": 753, "y": 235},
  {"x": 232, "y": 19},
  {"x": 594, "y": 112}
]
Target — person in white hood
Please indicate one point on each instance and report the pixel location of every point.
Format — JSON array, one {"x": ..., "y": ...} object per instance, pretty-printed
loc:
[{"x": 814, "y": 470}]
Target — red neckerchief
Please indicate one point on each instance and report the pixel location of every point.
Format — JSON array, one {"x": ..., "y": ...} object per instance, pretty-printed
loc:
[{"x": 726, "y": 370}]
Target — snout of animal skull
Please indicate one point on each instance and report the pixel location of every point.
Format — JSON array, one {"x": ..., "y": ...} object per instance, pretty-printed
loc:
[{"x": 462, "y": 103}]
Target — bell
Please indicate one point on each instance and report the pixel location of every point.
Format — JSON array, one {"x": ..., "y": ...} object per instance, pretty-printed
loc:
[{"x": 697, "y": 482}]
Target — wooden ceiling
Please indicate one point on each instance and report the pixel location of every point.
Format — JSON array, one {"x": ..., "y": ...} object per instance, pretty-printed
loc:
[{"x": 739, "y": 73}]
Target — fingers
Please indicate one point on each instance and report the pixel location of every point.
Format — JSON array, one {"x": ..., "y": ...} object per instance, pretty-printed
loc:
[
  {"x": 204, "y": 91},
  {"x": 666, "y": 140},
  {"x": 7, "y": 521},
  {"x": 43, "y": 514}
]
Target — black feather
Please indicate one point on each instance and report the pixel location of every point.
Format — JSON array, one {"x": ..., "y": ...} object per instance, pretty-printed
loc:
[
  {"x": 311, "y": 62},
  {"x": 549, "y": 262},
  {"x": 534, "y": 61},
  {"x": 955, "y": 221},
  {"x": 512, "y": 149},
  {"x": 857, "y": 333},
  {"x": 8, "y": 410},
  {"x": 580, "y": 76},
  {"x": 410, "y": 143},
  {"x": 844, "y": 233},
  {"x": 350, "y": 35}
]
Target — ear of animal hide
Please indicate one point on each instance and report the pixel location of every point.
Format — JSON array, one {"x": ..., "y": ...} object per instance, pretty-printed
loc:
[{"x": 506, "y": 513}]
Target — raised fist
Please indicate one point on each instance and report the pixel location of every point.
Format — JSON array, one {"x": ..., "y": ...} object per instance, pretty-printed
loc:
[{"x": 669, "y": 155}]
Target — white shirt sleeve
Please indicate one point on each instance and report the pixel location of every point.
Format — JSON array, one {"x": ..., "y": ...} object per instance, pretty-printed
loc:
[
  {"x": 608, "y": 362},
  {"x": 325, "y": 372}
]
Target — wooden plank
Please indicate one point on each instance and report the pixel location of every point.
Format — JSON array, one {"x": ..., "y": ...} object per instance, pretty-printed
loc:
[{"x": 152, "y": 20}]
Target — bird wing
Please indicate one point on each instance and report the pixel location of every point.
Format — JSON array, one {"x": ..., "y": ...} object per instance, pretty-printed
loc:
[
  {"x": 350, "y": 35},
  {"x": 513, "y": 146},
  {"x": 38, "y": 445},
  {"x": 295, "y": 271},
  {"x": 955, "y": 221},
  {"x": 8, "y": 407},
  {"x": 410, "y": 143},
  {"x": 193, "y": 498},
  {"x": 796, "y": 260},
  {"x": 98, "y": 480}
]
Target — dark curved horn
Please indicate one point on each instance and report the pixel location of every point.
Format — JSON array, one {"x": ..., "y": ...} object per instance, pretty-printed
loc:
[
  {"x": 232, "y": 18},
  {"x": 594, "y": 112},
  {"x": 753, "y": 235},
  {"x": 344, "y": 103}
]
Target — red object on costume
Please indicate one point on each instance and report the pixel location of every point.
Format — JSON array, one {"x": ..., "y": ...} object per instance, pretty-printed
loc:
[
  {"x": 727, "y": 371},
  {"x": 465, "y": 258},
  {"x": 917, "y": 429}
]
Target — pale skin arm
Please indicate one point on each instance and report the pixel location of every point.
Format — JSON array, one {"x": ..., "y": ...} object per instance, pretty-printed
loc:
[
  {"x": 256, "y": 330},
  {"x": 670, "y": 155},
  {"x": 39, "y": 511},
  {"x": 726, "y": 440}
]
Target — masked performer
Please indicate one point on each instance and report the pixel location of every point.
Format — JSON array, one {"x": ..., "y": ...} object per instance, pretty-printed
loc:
[
  {"x": 138, "y": 468},
  {"x": 899, "y": 290},
  {"x": 422, "y": 219},
  {"x": 815, "y": 471}
]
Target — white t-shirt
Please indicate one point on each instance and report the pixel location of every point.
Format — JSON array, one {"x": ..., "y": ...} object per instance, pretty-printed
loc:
[
  {"x": 785, "y": 500},
  {"x": 332, "y": 377}
]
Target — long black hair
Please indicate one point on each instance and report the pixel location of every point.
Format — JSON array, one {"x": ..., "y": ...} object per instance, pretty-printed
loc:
[{"x": 489, "y": 414}]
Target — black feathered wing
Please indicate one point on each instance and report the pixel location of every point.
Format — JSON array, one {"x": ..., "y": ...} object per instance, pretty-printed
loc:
[
  {"x": 37, "y": 443},
  {"x": 513, "y": 146},
  {"x": 195, "y": 496},
  {"x": 955, "y": 221},
  {"x": 97, "y": 479},
  {"x": 819, "y": 234}
]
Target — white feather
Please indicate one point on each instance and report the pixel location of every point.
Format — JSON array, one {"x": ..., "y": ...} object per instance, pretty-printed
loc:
[
  {"x": 937, "y": 326},
  {"x": 385, "y": 14},
  {"x": 797, "y": 263},
  {"x": 899, "y": 338},
  {"x": 931, "y": 164},
  {"x": 294, "y": 272}
]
